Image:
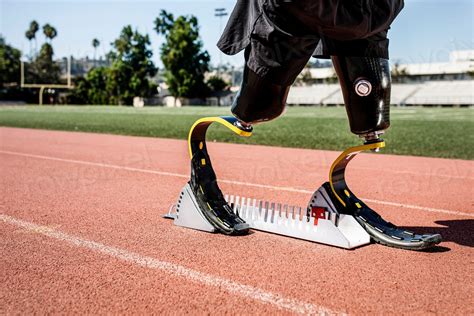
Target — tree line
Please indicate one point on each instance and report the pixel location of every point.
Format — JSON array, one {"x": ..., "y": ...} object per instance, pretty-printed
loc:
[{"x": 130, "y": 70}]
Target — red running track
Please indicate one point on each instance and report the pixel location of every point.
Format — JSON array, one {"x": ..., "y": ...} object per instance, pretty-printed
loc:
[{"x": 81, "y": 232}]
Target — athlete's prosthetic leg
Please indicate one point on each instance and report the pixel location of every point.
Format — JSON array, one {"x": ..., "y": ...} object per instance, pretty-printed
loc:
[
  {"x": 201, "y": 204},
  {"x": 366, "y": 83}
]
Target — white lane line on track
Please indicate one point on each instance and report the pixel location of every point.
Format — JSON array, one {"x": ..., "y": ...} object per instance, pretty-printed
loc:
[
  {"x": 176, "y": 270},
  {"x": 255, "y": 185}
]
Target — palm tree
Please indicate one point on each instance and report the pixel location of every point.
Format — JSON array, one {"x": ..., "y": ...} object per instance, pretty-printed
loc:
[
  {"x": 30, "y": 34},
  {"x": 34, "y": 27},
  {"x": 95, "y": 44},
  {"x": 50, "y": 32}
]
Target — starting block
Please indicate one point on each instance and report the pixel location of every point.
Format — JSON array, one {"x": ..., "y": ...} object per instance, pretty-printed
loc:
[{"x": 319, "y": 222}]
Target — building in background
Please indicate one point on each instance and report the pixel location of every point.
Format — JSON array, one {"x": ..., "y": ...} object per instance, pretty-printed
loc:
[{"x": 80, "y": 67}]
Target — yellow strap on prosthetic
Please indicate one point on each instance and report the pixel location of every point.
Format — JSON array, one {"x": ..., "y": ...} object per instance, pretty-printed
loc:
[
  {"x": 338, "y": 167},
  {"x": 199, "y": 129}
]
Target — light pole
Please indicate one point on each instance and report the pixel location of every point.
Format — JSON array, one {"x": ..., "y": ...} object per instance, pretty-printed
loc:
[{"x": 220, "y": 13}]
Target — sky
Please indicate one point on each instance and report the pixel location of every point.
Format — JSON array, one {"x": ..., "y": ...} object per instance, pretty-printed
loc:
[{"x": 425, "y": 31}]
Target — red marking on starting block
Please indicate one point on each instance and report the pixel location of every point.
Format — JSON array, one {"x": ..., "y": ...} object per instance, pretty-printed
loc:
[{"x": 318, "y": 213}]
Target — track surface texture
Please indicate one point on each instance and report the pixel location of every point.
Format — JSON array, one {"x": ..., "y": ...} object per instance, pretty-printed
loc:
[{"x": 82, "y": 232}]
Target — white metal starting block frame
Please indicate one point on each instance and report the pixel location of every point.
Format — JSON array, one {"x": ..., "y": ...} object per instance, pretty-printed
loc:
[{"x": 319, "y": 222}]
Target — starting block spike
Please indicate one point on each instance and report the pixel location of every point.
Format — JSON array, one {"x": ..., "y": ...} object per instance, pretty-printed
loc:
[
  {"x": 298, "y": 212},
  {"x": 237, "y": 202}
]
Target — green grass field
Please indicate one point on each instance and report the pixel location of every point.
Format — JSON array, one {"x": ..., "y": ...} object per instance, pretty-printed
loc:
[{"x": 434, "y": 132}]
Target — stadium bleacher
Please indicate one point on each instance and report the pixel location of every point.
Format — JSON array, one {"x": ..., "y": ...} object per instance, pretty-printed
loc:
[
  {"x": 401, "y": 92},
  {"x": 444, "y": 93},
  {"x": 311, "y": 95},
  {"x": 454, "y": 93}
]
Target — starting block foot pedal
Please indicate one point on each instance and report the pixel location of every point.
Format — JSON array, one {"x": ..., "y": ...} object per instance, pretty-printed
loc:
[{"x": 186, "y": 212}]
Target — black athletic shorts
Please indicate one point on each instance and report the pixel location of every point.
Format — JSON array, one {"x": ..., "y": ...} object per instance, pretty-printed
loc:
[{"x": 281, "y": 35}]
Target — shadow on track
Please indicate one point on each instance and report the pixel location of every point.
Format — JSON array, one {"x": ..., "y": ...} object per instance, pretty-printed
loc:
[{"x": 457, "y": 231}]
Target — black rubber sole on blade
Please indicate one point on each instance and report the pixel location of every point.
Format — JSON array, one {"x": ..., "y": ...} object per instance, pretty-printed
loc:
[
  {"x": 425, "y": 246},
  {"x": 409, "y": 241}
]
